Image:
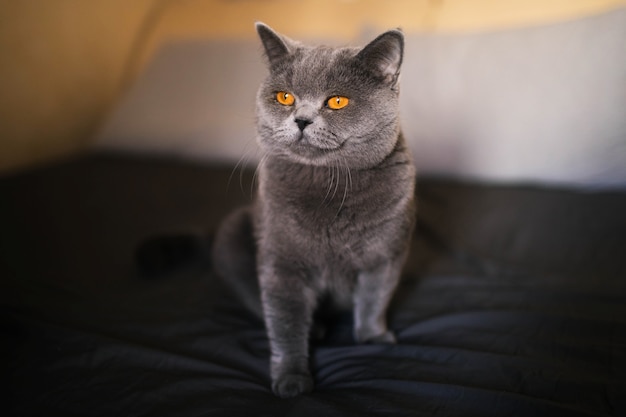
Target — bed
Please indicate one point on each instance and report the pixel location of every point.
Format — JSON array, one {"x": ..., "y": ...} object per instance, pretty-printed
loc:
[{"x": 512, "y": 302}]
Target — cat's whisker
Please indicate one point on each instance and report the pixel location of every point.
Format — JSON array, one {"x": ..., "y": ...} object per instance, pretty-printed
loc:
[
  {"x": 345, "y": 190},
  {"x": 241, "y": 177},
  {"x": 329, "y": 173},
  {"x": 349, "y": 172},
  {"x": 256, "y": 171},
  {"x": 240, "y": 165},
  {"x": 337, "y": 181},
  {"x": 334, "y": 180}
]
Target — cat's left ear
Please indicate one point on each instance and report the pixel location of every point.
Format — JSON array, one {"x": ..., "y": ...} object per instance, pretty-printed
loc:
[
  {"x": 383, "y": 56},
  {"x": 276, "y": 46}
]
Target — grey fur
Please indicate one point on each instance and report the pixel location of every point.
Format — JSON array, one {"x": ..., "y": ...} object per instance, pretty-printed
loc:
[{"x": 335, "y": 206}]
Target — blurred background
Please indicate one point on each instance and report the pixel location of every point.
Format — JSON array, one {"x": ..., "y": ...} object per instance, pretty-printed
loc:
[{"x": 77, "y": 75}]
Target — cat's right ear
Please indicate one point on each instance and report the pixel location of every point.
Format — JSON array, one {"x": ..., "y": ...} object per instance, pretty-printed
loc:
[
  {"x": 383, "y": 56},
  {"x": 276, "y": 46}
]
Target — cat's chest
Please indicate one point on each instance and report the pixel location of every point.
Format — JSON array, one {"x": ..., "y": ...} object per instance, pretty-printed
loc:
[
  {"x": 333, "y": 204},
  {"x": 340, "y": 223},
  {"x": 336, "y": 215}
]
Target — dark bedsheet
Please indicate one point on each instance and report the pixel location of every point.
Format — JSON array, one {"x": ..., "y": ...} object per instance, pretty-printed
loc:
[{"x": 513, "y": 303}]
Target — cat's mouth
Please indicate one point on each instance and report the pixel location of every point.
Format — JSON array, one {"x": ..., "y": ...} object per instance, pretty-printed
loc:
[
  {"x": 313, "y": 147},
  {"x": 317, "y": 140}
]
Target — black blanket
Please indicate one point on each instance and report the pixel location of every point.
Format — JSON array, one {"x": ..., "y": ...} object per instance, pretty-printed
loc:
[{"x": 513, "y": 302}]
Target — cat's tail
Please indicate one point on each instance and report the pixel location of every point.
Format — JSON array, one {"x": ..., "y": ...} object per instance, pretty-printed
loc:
[
  {"x": 230, "y": 254},
  {"x": 234, "y": 258}
]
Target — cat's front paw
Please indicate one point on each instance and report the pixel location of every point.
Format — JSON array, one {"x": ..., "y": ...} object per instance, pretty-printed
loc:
[
  {"x": 386, "y": 337},
  {"x": 290, "y": 385}
]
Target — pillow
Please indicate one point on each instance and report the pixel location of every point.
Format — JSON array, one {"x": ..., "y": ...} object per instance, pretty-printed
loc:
[
  {"x": 544, "y": 104},
  {"x": 540, "y": 104}
]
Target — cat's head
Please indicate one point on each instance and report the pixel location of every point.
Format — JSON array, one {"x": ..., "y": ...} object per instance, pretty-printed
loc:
[{"x": 330, "y": 106}]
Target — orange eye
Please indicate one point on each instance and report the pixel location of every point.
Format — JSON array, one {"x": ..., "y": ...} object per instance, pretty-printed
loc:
[
  {"x": 285, "y": 98},
  {"x": 337, "y": 102}
]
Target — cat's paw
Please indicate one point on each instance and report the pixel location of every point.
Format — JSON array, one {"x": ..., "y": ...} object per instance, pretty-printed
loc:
[
  {"x": 387, "y": 337},
  {"x": 290, "y": 385}
]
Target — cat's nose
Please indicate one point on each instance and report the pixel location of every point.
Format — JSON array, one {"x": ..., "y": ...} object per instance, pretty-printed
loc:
[{"x": 302, "y": 123}]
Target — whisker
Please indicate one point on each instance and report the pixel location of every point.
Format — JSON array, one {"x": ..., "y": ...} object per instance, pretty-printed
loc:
[
  {"x": 345, "y": 190},
  {"x": 243, "y": 160},
  {"x": 337, "y": 183},
  {"x": 331, "y": 174},
  {"x": 256, "y": 172},
  {"x": 239, "y": 164},
  {"x": 349, "y": 172}
]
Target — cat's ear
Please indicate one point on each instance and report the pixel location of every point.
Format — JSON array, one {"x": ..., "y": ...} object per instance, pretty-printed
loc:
[
  {"x": 383, "y": 56},
  {"x": 276, "y": 46}
]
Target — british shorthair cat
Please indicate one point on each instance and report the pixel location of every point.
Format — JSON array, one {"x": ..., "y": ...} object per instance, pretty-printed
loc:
[{"x": 335, "y": 210}]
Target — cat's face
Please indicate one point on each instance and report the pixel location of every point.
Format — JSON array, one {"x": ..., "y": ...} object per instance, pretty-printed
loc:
[{"x": 330, "y": 106}]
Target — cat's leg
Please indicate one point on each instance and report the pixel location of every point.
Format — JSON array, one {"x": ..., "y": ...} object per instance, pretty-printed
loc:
[
  {"x": 288, "y": 304},
  {"x": 373, "y": 292}
]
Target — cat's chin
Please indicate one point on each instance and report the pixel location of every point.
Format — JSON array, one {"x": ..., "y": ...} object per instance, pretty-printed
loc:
[
  {"x": 311, "y": 155},
  {"x": 325, "y": 158},
  {"x": 322, "y": 160}
]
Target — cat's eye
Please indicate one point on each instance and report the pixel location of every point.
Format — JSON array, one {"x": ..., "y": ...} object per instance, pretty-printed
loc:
[
  {"x": 285, "y": 98},
  {"x": 337, "y": 102}
]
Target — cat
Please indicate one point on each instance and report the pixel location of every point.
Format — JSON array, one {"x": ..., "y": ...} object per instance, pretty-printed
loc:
[{"x": 334, "y": 210}]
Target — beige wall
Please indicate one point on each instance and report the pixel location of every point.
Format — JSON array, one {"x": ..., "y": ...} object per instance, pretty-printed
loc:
[
  {"x": 60, "y": 68},
  {"x": 64, "y": 62}
]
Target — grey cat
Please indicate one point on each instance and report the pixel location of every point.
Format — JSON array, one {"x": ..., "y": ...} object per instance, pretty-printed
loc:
[{"x": 335, "y": 208}]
